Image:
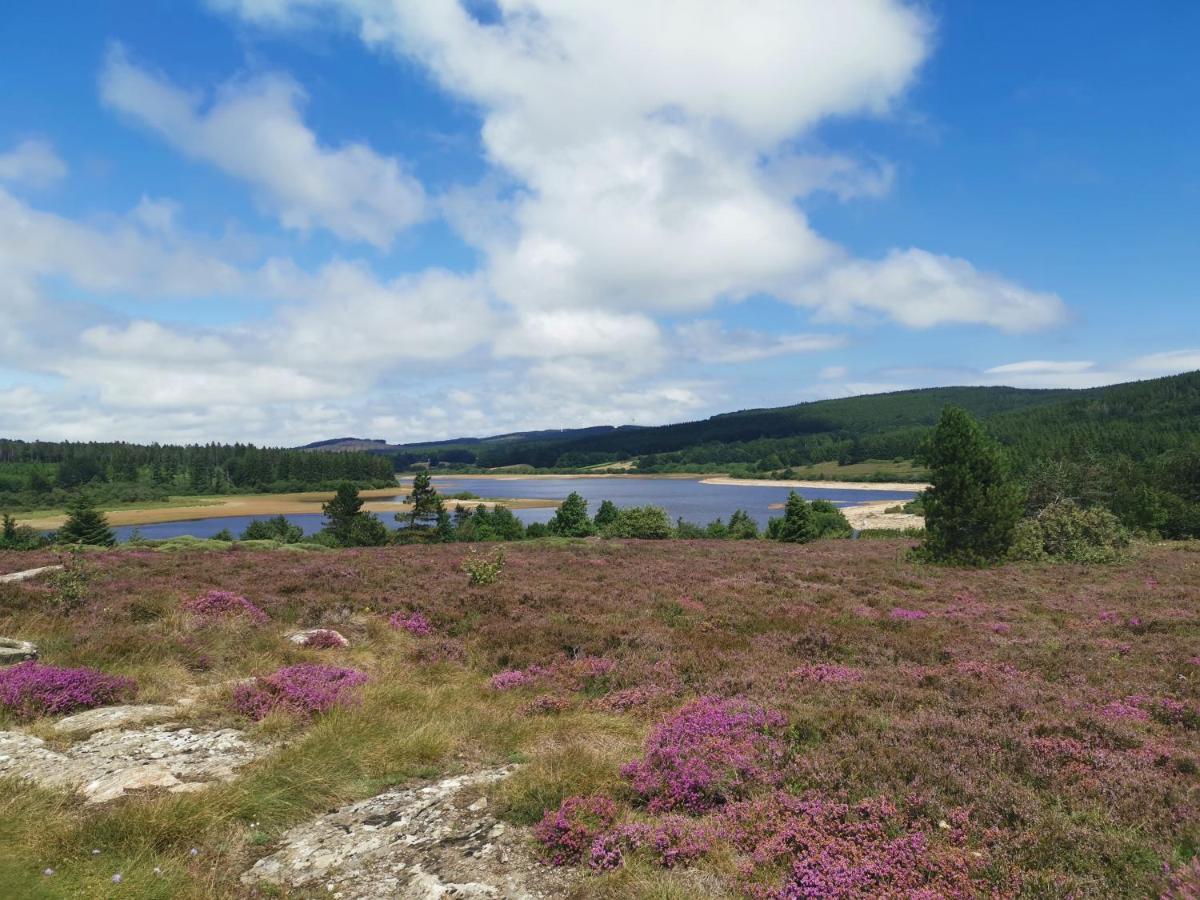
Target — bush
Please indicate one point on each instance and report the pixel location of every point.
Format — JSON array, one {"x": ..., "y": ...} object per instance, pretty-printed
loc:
[
  {"x": 222, "y": 605},
  {"x": 31, "y": 689},
  {"x": 1066, "y": 532},
  {"x": 484, "y": 570},
  {"x": 273, "y": 529},
  {"x": 571, "y": 518},
  {"x": 414, "y": 623},
  {"x": 829, "y": 521},
  {"x": 302, "y": 690},
  {"x": 644, "y": 522}
]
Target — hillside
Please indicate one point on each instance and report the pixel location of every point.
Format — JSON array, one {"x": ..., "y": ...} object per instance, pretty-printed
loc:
[{"x": 1139, "y": 419}]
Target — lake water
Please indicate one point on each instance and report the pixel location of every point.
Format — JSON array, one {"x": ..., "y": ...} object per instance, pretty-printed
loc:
[{"x": 686, "y": 497}]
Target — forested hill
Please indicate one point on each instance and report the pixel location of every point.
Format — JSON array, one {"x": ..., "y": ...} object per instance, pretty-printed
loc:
[{"x": 1139, "y": 420}]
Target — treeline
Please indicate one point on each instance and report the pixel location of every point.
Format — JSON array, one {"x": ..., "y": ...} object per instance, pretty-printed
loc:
[{"x": 45, "y": 474}]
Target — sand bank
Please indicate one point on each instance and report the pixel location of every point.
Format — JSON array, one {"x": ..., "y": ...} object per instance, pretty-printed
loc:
[{"x": 830, "y": 485}]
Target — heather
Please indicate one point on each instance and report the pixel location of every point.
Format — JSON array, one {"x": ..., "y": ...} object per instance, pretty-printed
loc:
[
  {"x": 756, "y": 718},
  {"x": 31, "y": 689},
  {"x": 302, "y": 690},
  {"x": 216, "y": 605}
]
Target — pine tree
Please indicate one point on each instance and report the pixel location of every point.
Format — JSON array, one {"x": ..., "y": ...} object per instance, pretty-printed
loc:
[
  {"x": 972, "y": 505},
  {"x": 342, "y": 512},
  {"x": 426, "y": 504},
  {"x": 571, "y": 518},
  {"x": 606, "y": 515},
  {"x": 797, "y": 525},
  {"x": 85, "y": 525}
]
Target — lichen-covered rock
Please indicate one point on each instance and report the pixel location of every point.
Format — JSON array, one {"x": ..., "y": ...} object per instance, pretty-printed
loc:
[
  {"x": 106, "y": 717},
  {"x": 319, "y": 638},
  {"x": 13, "y": 651},
  {"x": 27, "y": 574},
  {"x": 435, "y": 841},
  {"x": 111, "y": 762}
]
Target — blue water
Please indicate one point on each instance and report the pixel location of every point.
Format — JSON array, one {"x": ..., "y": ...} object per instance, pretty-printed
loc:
[{"x": 689, "y": 498}]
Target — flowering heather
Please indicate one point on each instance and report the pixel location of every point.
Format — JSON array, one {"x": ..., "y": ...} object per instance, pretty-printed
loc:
[
  {"x": 569, "y": 831},
  {"x": 324, "y": 639},
  {"x": 216, "y": 605},
  {"x": 908, "y": 615},
  {"x": 302, "y": 690},
  {"x": 827, "y": 673},
  {"x": 708, "y": 752},
  {"x": 414, "y": 623},
  {"x": 672, "y": 840},
  {"x": 1128, "y": 709},
  {"x": 511, "y": 678},
  {"x": 628, "y": 698},
  {"x": 31, "y": 689}
]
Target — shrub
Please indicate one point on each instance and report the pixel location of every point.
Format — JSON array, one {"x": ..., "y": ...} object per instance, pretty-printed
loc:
[
  {"x": 569, "y": 831},
  {"x": 414, "y": 623},
  {"x": 829, "y": 521},
  {"x": 277, "y": 528},
  {"x": 571, "y": 518},
  {"x": 797, "y": 525},
  {"x": 324, "y": 639},
  {"x": 85, "y": 525},
  {"x": 708, "y": 752},
  {"x": 1066, "y": 532},
  {"x": 31, "y": 689},
  {"x": 302, "y": 690},
  {"x": 71, "y": 582},
  {"x": 640, "y": 522},
  {"x": 484, "y": 570},
  {"x": 216, "y": 605}
]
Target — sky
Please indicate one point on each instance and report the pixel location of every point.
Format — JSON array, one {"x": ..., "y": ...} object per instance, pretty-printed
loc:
[{"x": 280, "y": 221}]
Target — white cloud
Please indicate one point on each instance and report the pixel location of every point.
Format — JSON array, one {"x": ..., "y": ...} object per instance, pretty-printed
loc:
[
  {"x": 834, "y": 373},
  {"x": 253, "y": 131},
  {"x": 707, "y": 341},
  {"x": 544, "y": 334},
  {"x": 1169, "y": 362},
  {"x": 32, "y": 163},
  {"x": 921, "y": 290},
  {"x": 1042, "y": 366}
]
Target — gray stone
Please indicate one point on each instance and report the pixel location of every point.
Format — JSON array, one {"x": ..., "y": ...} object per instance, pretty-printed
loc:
[
  {"x": 435, "y": 841},
  {"x": 14, "y": 651},
  {"x": 109, "y": 763},
  {"x": 27, "y": 574},
  {"x": 300, "y": 637},
  {"x": 105, "y": 717}
]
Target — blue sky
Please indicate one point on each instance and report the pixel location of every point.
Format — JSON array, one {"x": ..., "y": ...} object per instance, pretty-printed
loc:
[{"x": 283, "y": 220}]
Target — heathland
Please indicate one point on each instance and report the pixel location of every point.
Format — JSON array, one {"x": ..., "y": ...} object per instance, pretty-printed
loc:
[{"x": 898, "y": 728}]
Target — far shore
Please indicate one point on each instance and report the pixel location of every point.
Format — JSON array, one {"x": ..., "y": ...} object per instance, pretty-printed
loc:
[
  {"x": 912, "y": 486},
  {"x": 265, "y": 505}
]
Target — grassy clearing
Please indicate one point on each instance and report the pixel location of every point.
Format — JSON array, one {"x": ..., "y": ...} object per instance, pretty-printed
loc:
[{"x": 1027, "y": 698}]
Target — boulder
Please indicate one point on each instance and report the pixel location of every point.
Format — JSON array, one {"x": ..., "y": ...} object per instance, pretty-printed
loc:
[
  {"x": 14, "y": 651},
  {"x": 114, "y": 717},
  {"x": 336, "y": 637}
]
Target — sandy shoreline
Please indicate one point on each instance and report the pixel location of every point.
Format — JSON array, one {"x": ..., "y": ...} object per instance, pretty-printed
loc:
[
  {"x": 910, "y": 486},
  {"x": 266, "y": 505}
]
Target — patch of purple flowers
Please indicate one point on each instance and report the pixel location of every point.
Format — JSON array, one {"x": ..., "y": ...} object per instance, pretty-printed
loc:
[
  {"x": 909, "y": 615},
  {"x": 569, "y": 831},
  {"x": 217, "y": 605},
  {"x": 32, "y": 689},
  {"x": 415, "y": 623},
  {"x": 324, "y": 639},
  {"x": 302, "y": 690},
  {"x": 710, "y": 751}
]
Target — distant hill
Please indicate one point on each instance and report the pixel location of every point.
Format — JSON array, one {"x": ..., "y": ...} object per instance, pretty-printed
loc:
[{"x": 1137, "y": 420}]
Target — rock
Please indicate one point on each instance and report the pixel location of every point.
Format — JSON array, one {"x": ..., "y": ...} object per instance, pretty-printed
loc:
[
  {"x": 301, "y": 637},
  {"x": 430, "y": 842},
  {"x": 27, "y": 574},
  {"x": 14, "y": 651},
  {"x": 111, "y": 762},
  {"x": 114, "y": 717}
]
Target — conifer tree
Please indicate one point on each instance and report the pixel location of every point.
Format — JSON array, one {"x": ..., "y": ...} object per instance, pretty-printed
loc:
[
  {"x": 972, "y": 505},
  {"x": 571, "y": 518},
  {"x": 797, "y": 525},
  {"x": 426, "y": 504},
  {"x": 85, "y": 525},
  {"x": 606, "y": 515},
  {"x": 342, "y": 512}
]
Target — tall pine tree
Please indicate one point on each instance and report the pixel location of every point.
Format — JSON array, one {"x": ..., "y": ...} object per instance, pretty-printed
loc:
[
  {"x": 85, "y": 525},
  {"x": 972, "y": 505}
]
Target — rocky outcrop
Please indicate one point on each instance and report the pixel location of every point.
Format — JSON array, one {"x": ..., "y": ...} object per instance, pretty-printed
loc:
[
  {"x": 319, "y": 636},
  {"x": 27, "y": 574},
  {"x": 435, "y": 841},
  {"x": 107, "y": 717},
  {"x": 13, "y": 651},
  {"x": 115, "y": 761}
]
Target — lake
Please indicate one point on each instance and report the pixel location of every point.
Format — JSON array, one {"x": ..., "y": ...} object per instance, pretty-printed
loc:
[{"x": 680, "y": 497}]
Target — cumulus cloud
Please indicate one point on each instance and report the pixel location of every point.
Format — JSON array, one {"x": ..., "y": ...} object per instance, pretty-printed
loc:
[
  {"x": 708, "y": 341},
  {"x": 921, "y": 290},
  {"x": 32, "y": 163},
  {"x": 252, "y": 130}
]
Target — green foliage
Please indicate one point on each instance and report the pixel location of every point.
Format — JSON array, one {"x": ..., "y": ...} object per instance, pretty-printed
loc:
[
  {"x": 19, "y": 537},
  {"x": 495, "y": 524},
  {"x": 606, "y": 515},
  {"x": 484, "y": 569},
  {"x": 347, "y": 525},
  {"x": 741, "y": 527},
  {"x": 571, "y": 518},
  {"x": 223, "y": 535},
  {"x": 1066, "y": 532},
  {"x": 798, "y": 526},
  {"x": 973, "y": 504},
  {"x": 85, "y": 525},
  {"x": 426, "y": 504},
  {"x": 277, "y": 528},
  {"x": 640, "y": 522},
  {"x": 71, "y": 582},
  {"x": 689, "y": 531},
  {"x": 829, "y": 521}
]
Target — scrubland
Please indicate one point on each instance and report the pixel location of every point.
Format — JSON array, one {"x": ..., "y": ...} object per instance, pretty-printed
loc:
[{"x": 693, "y": 718}]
